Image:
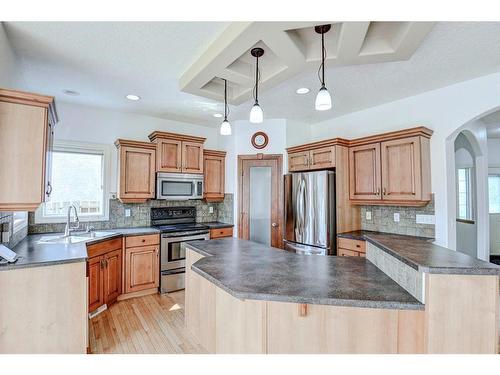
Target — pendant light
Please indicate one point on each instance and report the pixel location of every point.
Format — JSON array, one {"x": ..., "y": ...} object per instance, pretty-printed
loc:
[
  {"x": 323, "y": 99},
  {"x": 225, "y": 127},
  {"x": 256, "y": 114}
]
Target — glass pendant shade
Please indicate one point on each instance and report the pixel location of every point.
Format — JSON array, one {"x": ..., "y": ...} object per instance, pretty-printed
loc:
[
  {"x": 323, "y": 100},
  {"x": 225, "y": 128},
  {"x": 256, "y": 114}
]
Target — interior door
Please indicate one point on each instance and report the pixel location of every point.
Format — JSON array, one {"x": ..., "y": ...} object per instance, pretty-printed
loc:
[{"x": 261, "y": 199}]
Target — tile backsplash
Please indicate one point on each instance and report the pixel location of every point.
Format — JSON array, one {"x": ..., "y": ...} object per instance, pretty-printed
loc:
[
  {"x": 382, "y": 220},
  {"x": 7, "y": 223},
  {"x": 140, "y": 214}
]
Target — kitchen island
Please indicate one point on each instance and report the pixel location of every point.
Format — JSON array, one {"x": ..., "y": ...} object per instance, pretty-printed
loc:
[{"x": 243, "y": 297}]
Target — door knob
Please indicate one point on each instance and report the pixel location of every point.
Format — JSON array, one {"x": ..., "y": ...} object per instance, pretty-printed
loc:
[{"x": 274, "y": 225}]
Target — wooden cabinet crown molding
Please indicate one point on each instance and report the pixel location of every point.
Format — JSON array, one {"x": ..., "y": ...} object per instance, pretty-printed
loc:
[
  {"x": 37, "y": 100},
  {"x": 174, "y": 136},
  {"x": 405, "y": 133},
  {"x": 214, "y": 153},
  {"x": 129, "y": 143}
]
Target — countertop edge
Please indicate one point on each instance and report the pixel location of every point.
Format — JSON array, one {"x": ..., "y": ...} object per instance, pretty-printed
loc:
[{"x": 290, "y": 299}]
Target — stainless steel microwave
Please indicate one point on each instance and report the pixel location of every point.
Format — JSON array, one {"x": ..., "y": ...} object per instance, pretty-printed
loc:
[{"x": 179, "y": 186}]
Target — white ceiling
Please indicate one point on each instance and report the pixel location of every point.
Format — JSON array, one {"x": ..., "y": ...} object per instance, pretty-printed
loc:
[{"x": 105, "y": 61}]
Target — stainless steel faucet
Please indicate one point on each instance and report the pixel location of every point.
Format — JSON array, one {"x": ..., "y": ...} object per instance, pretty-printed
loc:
[{"x": 70, "y": 228}]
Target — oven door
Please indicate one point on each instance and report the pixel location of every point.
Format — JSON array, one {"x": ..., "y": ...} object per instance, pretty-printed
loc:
[{"x": 172, "y": 255}]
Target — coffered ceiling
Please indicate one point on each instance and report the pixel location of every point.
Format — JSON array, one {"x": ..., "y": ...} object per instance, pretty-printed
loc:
[
  {"x": 291, "y": 48},
  {"x": 176, "y": 66}
]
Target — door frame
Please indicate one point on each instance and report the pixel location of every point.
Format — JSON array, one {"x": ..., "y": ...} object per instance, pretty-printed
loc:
[{"x": 277, "y": 205}]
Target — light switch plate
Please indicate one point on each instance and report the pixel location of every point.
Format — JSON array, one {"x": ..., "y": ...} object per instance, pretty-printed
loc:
[
  {"x": 127, "y": 212},
  {"x": 210, "y": 209},
  {"x": 396, "y": 217},
  {"x": 426, "y": 219},
  {"x": 368, "y": 215}
]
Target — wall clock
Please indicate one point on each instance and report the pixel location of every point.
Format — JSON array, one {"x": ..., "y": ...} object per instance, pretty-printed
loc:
[{"x": 260, "y": 140}]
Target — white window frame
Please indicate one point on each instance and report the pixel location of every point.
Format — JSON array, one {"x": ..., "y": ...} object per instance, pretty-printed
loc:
[
  {"x": 19, "y": 224},
  {"x": 492, "y": 172},
  {"x": 88, "y": 148},
  {"x": 469, "y": 204}
]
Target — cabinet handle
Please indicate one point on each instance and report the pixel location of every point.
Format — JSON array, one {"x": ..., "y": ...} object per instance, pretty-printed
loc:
[
  {"x": 378, "y": 191},
  {"x": 307, "y": 160},
  {"x": 143, "y": 240},
  {"x": 49, "y": 189},
  {"x": 385, "y": 192},
  {"x": 102, "y": 263}
]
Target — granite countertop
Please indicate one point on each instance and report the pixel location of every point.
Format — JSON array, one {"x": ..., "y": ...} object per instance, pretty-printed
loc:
[
  {"x": 217, "y": 225},
  {"x": 248, "y": 270},
  {"x": 423, "y": 255},
  {"x": 32, "y": 253}
]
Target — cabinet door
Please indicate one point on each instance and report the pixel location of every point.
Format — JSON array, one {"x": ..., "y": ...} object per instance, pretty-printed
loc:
[
  {"x": 192, "y": 157},
  {"x": 112, "y": 276},
  {"x": 48, "y": 160},
  {"x": 298, "y": 161},
  {"x": 364, "y": 172},
  {"x": 142, "y": 270},
  {"x": 169, "y": 155},
  {"x": 322, "y": 158},
  {"x": 23, "y": 132},
  {"x": 96, "y": 282},
  {"x": 401, "y": 171},
  {"x": 214, "y": 170},
  {"x": 137, "y": 173},
  {"x": 347, "y": 253}
]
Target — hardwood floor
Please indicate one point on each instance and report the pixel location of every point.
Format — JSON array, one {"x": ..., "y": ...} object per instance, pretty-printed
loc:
[{"x": 150, "y": 324}]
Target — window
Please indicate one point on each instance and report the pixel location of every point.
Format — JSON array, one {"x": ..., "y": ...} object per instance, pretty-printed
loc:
[
  {"x": 464, "y": 193},
  {"x": 494, "y": 193},
  {"x": 79, "y": 177}
]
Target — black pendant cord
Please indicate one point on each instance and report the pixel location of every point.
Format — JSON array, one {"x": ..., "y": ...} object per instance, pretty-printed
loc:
[
  {"x": 257, "y": 82},
  {"x": 225, "y": 100},
  {"x": 322, "y": 59}
]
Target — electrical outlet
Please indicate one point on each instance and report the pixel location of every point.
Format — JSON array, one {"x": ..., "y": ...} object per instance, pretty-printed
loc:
[
  {"x": 426, "y": 219},
  {"x": 396, "y": 217},
  {"x": 210, "y": 209},
  {"x": 127, "y": 212},
  {"x": 368, "y": 215}
]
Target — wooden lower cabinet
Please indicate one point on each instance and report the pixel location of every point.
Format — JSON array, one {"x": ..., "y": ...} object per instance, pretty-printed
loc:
[
  {"x": 104, "y": 271},
  {"x": 351, "y": 247},
  {"x": 96, "y": 282},
  {"x": 142, "y": 269},
  {"x": 221, "y": 232}
]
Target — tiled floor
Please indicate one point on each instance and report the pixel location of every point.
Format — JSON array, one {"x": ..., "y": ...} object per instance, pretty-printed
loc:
[{"x": 149, "y": 324}]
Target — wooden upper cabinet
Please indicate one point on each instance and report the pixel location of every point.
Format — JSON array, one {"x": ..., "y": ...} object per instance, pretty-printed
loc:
[
  {"x": 298, "y": 161},
  {"x": 178, "y": 152},
  {"x": 322, "y": 158},
  {"x": 365, "y": 172},
  {"x": 169, "y": 155},
  {"x": 27, "y": 124},
  {"x": 192, "y": 157},
  {"x": 393, "y": 171},
  {"x": 136, "y": 171},
  {"x": 214, "y": 175},
  {"x": 403, "y": 177},
  {"x": 312, "y": 159}
]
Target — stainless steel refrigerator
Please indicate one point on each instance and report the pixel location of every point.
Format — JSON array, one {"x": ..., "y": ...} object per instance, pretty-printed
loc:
[{"x": 310, "y": 213}]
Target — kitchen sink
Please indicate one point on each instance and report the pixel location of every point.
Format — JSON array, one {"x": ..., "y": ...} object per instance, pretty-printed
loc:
[{"x": 73, "y": 238}]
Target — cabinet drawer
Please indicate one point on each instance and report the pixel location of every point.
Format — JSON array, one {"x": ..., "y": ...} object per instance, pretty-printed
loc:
[
  {"x": 349, "y": 244},
  {"x": 134, "y": 241},
  {"x": 347, "y": 253},
  {"x": 104, "y": 247},
  {"x": 221, "y": 232}
]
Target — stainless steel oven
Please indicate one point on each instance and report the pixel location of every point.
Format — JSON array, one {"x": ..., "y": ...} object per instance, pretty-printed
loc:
[
  {"x": 173, "y": 258},
  {"x": 179, "y": 186}
]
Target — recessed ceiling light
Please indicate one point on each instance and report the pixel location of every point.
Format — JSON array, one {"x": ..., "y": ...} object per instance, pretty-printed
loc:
[
  {"x": 218, "y": 115},
  {"x": 133, "y": 97},
  {"x": 302, "y": 90},
  {"x": 71, "y": 92}
]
